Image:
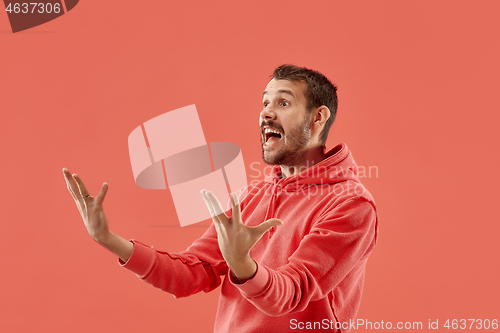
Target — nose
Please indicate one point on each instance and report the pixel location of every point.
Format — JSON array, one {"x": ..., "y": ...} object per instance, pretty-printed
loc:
[{"x": 267, "y": 113}]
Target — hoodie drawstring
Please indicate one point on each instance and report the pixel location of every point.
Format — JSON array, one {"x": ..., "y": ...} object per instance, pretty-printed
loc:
[{"x": 271, "y": 209}]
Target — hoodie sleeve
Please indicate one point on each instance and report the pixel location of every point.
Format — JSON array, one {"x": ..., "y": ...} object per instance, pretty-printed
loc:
[
  {"x": 334, "y": 246},
  {"x": 182, "y": 274}
]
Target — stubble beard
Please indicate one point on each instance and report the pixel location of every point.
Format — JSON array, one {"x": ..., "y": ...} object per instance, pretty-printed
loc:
[{"x": 292, "y": 152}]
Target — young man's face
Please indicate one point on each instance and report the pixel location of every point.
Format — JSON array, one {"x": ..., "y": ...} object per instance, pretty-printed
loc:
[{"x": 284, "y": 123}]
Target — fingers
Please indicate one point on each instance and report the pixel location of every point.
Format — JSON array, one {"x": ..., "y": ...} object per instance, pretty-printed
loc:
[
  {"x": 74, "y": 191},
  {"x": 102, "y": 194},
  {"x": 81, "y": 186},
  {"x": 78, "y": 188},
  {"x": 210, "y": 208},
  {"x": 208, "y": 203},
  {"x": 215, "y": 207},
  {"x": 70, "y": 182},
  {"x": 265, "y": 226},
  {"x": 235, "y": 202},
  {"x": 72, "y": 185}
]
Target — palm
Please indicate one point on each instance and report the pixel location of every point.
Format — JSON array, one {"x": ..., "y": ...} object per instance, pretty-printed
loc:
[
  {"x": 234, "y": 237},
  {"x": 90, "y": 208}
]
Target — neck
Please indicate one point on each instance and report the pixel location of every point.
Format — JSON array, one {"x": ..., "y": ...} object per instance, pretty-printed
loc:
[{"x": 312, "y": 157}]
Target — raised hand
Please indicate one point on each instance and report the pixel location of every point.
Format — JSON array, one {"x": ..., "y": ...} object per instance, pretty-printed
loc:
[
  {"x": 90, "y": 207},
  {"x": 234, "y": 237}
]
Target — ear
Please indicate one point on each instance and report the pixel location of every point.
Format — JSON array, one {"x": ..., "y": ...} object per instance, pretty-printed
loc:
[{"x": 320, "y": 116}]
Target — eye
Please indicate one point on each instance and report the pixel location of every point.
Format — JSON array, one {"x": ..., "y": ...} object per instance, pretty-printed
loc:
[
  {"x": 265, "y": 104},
  {"x": 285, "y": 103}
]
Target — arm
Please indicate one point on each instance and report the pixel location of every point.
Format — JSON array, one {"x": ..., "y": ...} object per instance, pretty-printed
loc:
[
  {"x": 331, "y": 251},
  {"x": 334, "y": 247},
  {"x": 181, "y": 274}
]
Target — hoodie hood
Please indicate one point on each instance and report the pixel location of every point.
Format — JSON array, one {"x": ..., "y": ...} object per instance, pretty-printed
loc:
[{"x": 338, "y": 166}]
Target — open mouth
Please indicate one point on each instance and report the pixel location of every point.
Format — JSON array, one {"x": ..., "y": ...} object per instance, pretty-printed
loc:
[{"x": 271, "y": 136}]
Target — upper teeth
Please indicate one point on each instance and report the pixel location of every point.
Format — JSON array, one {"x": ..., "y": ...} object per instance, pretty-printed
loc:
[{"x": 268, "y": 130}]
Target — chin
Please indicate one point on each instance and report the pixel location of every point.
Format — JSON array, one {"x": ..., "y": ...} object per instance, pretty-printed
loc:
[{"x": 270, "y": 159}]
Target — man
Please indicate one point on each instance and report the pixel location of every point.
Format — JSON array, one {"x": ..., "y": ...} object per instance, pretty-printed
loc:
[{"x": 292, "y": 248}]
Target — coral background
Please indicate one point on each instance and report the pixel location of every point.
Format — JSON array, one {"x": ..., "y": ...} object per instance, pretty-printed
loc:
[{"x": 418, "y": 85}]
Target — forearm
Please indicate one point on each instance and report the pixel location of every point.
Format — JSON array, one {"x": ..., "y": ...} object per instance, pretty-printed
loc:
[
  {"x": 117, "y": 244},
  {"x": 199, "y": 268}
]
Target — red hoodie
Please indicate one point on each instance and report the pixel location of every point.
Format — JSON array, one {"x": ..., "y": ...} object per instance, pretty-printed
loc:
[{"x": 310, "y": 270}]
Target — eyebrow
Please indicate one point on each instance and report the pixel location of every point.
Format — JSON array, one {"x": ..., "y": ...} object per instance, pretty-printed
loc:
[{"x": 283, "y": 91}]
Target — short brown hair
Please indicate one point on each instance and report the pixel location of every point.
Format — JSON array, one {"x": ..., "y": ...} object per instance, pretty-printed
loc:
[{"x": 320, "y": 91}]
